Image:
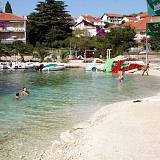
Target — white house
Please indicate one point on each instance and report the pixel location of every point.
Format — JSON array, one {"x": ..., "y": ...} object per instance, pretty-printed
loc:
[
  {"x": 90, "y": 23},
  {"x": 112, "y": 18},
  {"x": 129, "y": 19}
]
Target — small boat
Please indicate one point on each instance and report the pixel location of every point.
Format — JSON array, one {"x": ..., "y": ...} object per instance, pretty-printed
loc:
[
  {"x": 52, "y": 67},
  {"x": 14, "y": 65},
  {"x": 3, "y": 66},
  {"x": 79, "y": 59},
  {"x": 96, "y": 65}
]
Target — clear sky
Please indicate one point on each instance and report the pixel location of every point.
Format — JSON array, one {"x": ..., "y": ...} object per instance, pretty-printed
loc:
[{"x": 78, "y": 7}]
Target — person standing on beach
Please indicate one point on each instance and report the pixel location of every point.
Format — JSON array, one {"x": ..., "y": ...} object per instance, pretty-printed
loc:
[{"x": 146, "y": 69}]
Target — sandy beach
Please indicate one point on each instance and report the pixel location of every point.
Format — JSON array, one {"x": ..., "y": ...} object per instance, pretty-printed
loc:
[{"x": 126, "y": 130}]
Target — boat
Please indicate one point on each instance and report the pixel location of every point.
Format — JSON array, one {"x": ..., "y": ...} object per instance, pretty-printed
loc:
[
  {"x": 79, "y": 59},
  {"x": 26, "y": 65},
  {"x": 96, "y": 65},
  {"x": 3, "y": 66},
  {"x": 52, "y": 67}
]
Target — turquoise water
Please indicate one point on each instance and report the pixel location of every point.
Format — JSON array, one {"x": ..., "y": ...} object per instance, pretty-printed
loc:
[{"x": 57, "y": 101}]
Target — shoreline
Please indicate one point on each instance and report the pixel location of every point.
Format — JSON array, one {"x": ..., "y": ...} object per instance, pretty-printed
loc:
[{"x": 123, "y": 130}]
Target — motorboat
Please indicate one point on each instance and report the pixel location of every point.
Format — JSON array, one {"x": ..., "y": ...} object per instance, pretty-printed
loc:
[
  {"x": 79, "y": 59},
  {"x": 96, "y": 65},
  {"x": 26, "y": 65},
  {"x": 52, "y": 67},
  {"x": 3, "y": 66}
]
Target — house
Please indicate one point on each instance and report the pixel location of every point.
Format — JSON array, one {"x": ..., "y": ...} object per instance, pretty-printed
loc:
[
  {"x": 112, "y": 18},
  {"x": 94, "y": 20},
  {"x": 12, "y": 28},
  {"x": 129, "y": 19},
  {"x": 142, "y": 15},
  {"x": 89, "y": 23},
  {"x": 140, "y": 27}
]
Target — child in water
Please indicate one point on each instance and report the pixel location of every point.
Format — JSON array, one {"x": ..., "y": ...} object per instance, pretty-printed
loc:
[{"x": 120, "y": 75}]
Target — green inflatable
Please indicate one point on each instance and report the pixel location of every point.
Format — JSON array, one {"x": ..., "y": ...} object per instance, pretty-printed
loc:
[{"x": 108, "y": 65}]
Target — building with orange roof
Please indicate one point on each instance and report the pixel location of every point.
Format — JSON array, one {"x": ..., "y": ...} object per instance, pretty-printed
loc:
[
  {"x": 112, "y": 18},
  {"x": 12, "y": 28},
  {"x": 129, "y": 19},
  {"x": 142, "y": 15},
  {"x": 140, "y": 27}
]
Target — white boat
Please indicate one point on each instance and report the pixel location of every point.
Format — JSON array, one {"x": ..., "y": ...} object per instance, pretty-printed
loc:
[
  {"x": 53, "y": 67},
  {"x": 14, "y": 65},
  {"x": 79, "y": 59},
  {"x": 3, "y": 66},
  {"x": 96, "y": 65}
]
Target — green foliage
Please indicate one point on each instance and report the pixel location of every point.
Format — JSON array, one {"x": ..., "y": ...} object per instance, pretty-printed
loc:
[
  {"x": 155, "y": 43},
  {"x": 81, "y": 40},
  {"x": 8, "y": 8},
  {"x": 50, "y": 23},
  {"x": 5, "y": 50},
  {"x": 107, "y": 25},
  {"x": 40, "y": 52},
  {"x": 120, "y": 39},
  {"x": 20, "y": 48}
]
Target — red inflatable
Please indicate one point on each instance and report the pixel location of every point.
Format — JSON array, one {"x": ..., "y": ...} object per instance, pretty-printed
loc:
[{"x": 117, "y": 66}]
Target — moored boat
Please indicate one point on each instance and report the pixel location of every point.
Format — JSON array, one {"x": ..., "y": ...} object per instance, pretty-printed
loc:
[
  {"x": 52, "y": 67},
  {"x": 76, "y": 60}
]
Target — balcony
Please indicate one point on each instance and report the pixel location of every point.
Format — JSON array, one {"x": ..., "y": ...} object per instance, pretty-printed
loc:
[
  {"x": 12, "y": 29},
  {"x": 9, "y": 41}
]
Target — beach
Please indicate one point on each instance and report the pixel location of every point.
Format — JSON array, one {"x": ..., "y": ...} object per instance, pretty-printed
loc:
[{"x": 127, "y": 130}]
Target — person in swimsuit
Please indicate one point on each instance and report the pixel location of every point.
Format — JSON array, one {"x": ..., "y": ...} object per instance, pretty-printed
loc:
[
  {"x": 24, "y": 92},
  {"x": 146, "y": 70},
  {"x": 17, "y": 96}
]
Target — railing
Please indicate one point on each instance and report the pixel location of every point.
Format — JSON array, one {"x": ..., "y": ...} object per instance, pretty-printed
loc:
[
  {"x": 8, "y": 41},
  {"x": 12, "y": 30}
]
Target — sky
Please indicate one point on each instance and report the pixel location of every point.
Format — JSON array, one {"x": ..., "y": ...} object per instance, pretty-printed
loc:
[{"x": 82, "y": 7}]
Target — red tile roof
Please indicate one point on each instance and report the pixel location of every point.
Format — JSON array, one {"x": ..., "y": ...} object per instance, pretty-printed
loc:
[
  {"x": 91, "y": 18},
  {"x": 143, "y": 15},
  {"x": 114, "y": 15},
  {"x": 132, "y": 18},
  {"x": 113, "y": 26},
  {"x": 9, "y": 16},
  {"x": 141, "y": 24}
]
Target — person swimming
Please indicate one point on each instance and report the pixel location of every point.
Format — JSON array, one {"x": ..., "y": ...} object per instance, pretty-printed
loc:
[
  {"x": 17, "y": 96},
  {"x": 25, "y": 92}
]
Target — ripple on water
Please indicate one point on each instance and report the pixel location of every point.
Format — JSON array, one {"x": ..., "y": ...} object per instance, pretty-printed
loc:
[{"x": 57, "y": 101}]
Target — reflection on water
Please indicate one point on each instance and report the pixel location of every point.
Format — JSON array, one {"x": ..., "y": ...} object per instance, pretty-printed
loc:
[{"x": 57, "y": 101}]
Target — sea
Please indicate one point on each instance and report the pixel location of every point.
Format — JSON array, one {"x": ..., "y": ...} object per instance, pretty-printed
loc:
[{"x": 57, "y": 101}]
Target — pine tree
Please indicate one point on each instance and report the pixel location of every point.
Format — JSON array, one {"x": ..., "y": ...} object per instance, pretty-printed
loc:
[
  {"x": 50, "y": 23},
  {"x": 8, "y": 8}
]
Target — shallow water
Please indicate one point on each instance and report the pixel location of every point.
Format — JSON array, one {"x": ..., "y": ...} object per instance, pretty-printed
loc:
[{"x": 56, "y": 102}]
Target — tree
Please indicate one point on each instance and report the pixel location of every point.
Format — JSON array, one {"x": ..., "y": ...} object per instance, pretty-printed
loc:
[
  {"x": 19, "y": 48},
  {"x": 81, "y": 40},
  {"x": 155, "y": 43},
  {"x": 50, "y": 23},
  {"x": 5, "y": 50},
  {"x": 40, "y": 52},
  {"x": 120, "y": 39},
  {"x": 8, "y": 8}
]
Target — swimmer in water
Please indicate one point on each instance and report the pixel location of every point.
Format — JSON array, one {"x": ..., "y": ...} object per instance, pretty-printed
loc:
[{"x": 24, "y": 92}]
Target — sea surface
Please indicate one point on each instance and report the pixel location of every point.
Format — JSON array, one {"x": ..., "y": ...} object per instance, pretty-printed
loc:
[{"x": 57, "y": 101}]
